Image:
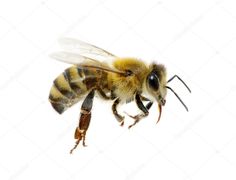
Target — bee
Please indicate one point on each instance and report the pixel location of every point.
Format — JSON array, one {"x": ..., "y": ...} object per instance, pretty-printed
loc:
[{"x": 120, "y": 80}]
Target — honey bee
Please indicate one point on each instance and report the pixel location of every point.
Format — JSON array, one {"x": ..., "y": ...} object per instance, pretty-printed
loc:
[{"x": 121, "y": 80}]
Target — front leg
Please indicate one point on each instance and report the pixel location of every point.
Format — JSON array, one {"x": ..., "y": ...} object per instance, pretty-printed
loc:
[
  {"x": 85, "y": 116},
  {"x": 144, "y": 109}
]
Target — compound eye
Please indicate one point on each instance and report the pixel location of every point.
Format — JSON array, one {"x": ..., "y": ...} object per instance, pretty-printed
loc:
[{"x": 153, "y": 81}]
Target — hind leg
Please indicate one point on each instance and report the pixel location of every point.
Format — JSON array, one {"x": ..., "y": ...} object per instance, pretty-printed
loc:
[{"x": 85, "y": 116}]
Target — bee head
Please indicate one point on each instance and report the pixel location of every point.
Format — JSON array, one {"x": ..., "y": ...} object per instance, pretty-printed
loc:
[{"x": 156, "y": 83}]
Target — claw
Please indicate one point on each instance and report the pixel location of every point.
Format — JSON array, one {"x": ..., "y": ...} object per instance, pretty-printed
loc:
[
  {"x": 129, "y": 115},
  {"x": 84, "y": 142},
  {"x": 79, "y": 135},
  {"x": 122, "y": 123},
  {"x": 136, "y": 118},
  {"x": 76, "y": 144},
  {"x": 135, "y": 122}
]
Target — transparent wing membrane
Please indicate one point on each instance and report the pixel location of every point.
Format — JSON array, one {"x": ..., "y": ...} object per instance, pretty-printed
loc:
[
  {"x": 71, "y": 58},
  {"x": 83, "y": 48}
]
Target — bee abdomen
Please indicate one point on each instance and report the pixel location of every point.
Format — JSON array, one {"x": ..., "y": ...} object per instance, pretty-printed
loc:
[
  {"x": 69, "y": 87},
  {"x": 58, "y": 100}
]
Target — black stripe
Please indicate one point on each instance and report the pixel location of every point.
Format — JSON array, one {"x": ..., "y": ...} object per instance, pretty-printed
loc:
[
  {"x": 79, "y": 71},
  {"x": 73, "y": 85},
  {"x": 66, "y": 92},
  {"x": 86, "y": 72},
  {"x": 59, "y": 107},
  {"x": 66, "y": 76}
]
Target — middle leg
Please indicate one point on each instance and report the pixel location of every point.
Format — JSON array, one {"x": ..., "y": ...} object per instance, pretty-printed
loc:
[{"x": 115, "y": 112}]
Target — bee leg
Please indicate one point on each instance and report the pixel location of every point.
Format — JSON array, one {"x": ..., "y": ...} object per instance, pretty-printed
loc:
[
  {"x": 143, "y": 108},
  {"x": 102, "y": 93},
  {"x": 117, "y": 115},
  {"x": 85, "y": 116},
  {"x": 143, "y": 98}
]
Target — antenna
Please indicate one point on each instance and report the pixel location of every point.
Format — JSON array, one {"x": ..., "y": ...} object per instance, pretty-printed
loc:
[
  {"x": 177, "y": 97},
  {"x": 176, "y": 76}
]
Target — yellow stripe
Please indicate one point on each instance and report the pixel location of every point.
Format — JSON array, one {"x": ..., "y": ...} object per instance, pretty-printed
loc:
[
  {"x": 62, "y": 83},
  {"x": 56, "y": 96}
]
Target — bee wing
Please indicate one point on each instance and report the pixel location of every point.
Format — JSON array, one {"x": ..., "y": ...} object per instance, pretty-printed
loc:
[
  {"x": 84, "y": 62},
  {"x": 83, "y": 48},
  {"x": 71, "y": 58}
]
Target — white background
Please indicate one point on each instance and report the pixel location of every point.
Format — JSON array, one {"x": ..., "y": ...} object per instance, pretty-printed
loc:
[{"x": 195, "y": 39}]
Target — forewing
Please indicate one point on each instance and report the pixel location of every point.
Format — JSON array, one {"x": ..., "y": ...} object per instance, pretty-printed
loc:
[
  {"x": 84, "y": 62},
  {"x": 71, "y": 58},
  {"x": 85, "y": 55},
  {"x": 83, "y": 48}
]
